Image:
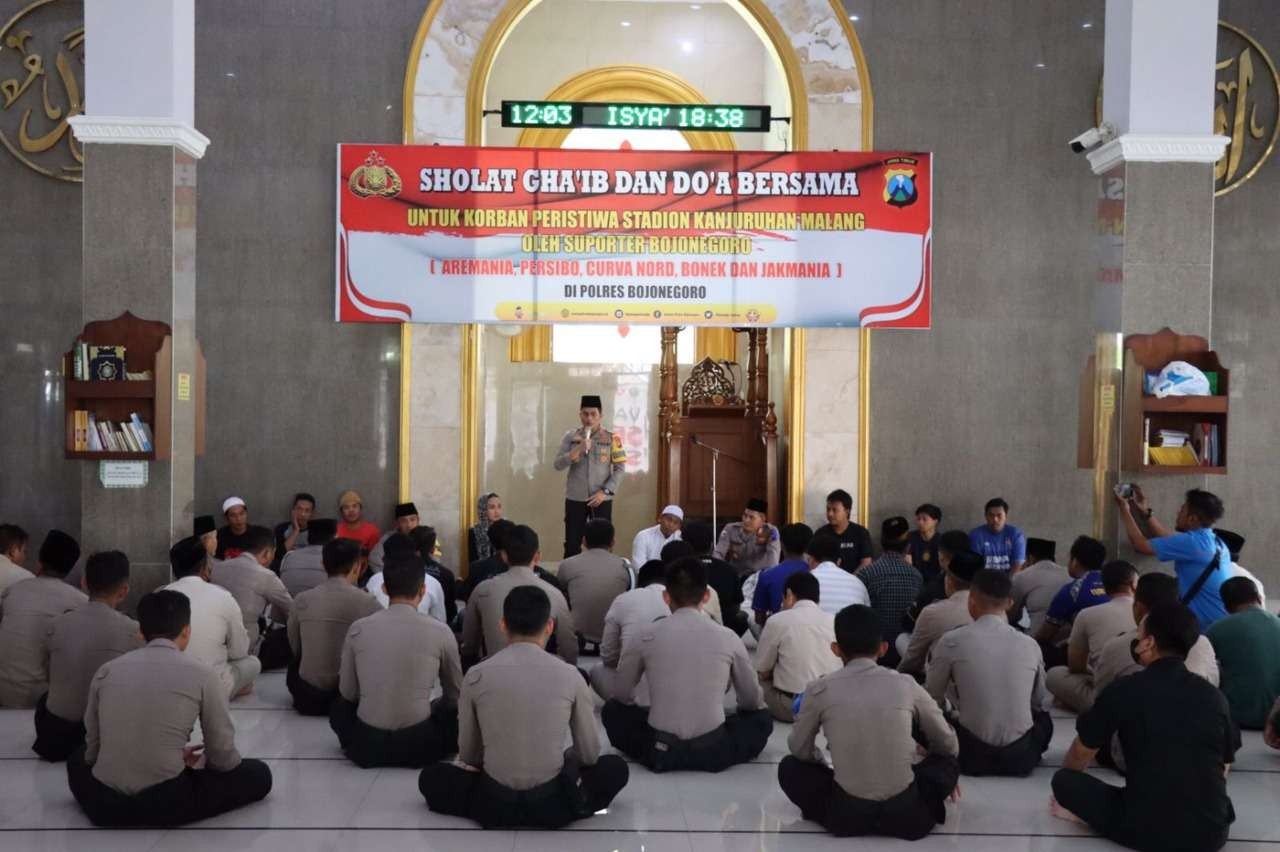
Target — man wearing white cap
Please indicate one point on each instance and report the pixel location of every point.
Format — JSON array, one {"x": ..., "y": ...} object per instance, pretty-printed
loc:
[
  {"x": 649, "y": 541},
  {"x": 233, "y": 537}
]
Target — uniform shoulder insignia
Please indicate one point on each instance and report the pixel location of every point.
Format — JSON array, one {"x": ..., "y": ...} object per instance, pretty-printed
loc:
[
  {"x": 355, "y": 629},
  {"x": 102, "y": 672},
  {"x": 818, "y": 687},
  {"x": 648, "y": 636},
  {"x": 299, "y": 603},
  {"x": 473, "y": 677}
]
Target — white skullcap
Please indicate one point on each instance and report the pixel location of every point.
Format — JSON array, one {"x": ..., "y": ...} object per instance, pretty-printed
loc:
[
  {"x": 674, "y": 510},
  {"x": 230, "y": 503}
]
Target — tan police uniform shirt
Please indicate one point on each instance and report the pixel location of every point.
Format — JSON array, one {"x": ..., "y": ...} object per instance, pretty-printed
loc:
[
  {"x": 80, "y": 642},
  {"x": 932, "y": 623},
  {"x": 318, "y": 625},
  {"x": 390, "y": 663},
  {"x": 302, "y": 569},
  {"x": 795, "y": 646},
  {"x": 513, "y": 714},
  {"x": 253, "y": 587},
  {"x": 27, "y": 609},
  {"x": 1033, "y": 590},
  {"x": 1116, "y": 661},
  {"x": 599, "y": 468},
  {"x": 1096, "y": 625},
  {"x": 993, "y": 676},
  {"x": 11, "y": 572},
  {"x": 866, "y": 712},
  {"x": 482, "y": 622},
  {"x": 688, "y": 660},
  {"x": 142, "y": 709},
  {"x": 744, "y": 551},
  {"x": 592, "y": 580}
]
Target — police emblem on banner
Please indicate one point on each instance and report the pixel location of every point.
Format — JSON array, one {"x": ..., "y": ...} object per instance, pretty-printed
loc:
[
  {"x": 374, "y": 178},
  {"x": 900, "y": 185}
]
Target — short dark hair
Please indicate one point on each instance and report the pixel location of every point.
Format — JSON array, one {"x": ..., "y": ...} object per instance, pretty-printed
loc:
[
  {"x": 424, "y": 539},
  {"x": 398, "y": 544},
  {"x": 598, "y": 533},
  {"x": 58, "y": 554},
  {"x": 302, "y": 495},
  {"x": 795, "y": 537},
  {"x": 995, "y": 503},
  {"x": 105, "y": 572},
  {"x": 339, "y": 556},
  {"x": 1205, "y": 506},
  {"x": 651, "y": 572},
  {"x": 258, "y": 540},
  {"x": 930, "y": 510},
  {"x": 893, "y": 533},
  {"x": 699, "y": 536},
  {"x": 824, "y": 547},
  {"x": 522, "y": 545},
  {"x": 526, "y": 610},
  {"x": 1117, "y": 574},
  {"x": 1039, "y": 548},
  {"x": 163, "y": 614},
  {"x": 954, "y": 541},
  {"x": 498, "y": 531},
  {"x": 844, "y": 498},
  {"x": 673, "y": 550},
  {"x": 803, "y": 585},
  {"x": 858, "y": 631},
  {"x": 1155, "y": 588},
  {"x": 187, "y": 557},
  {"x": 12, "y": 535},
  {"x": 686, "y": 581},
  {"x": 991, "y": 586},
  {"x": 1239, "y": 592},
  {"x": 1174, "y": 627},
  {"x": 321, "y": 531},
  {"x": 1089, "y": 552},
  {"x": 403, "y": 575}
]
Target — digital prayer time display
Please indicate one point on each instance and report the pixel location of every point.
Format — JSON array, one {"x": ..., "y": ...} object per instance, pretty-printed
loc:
[{"x": 634, "y": 116}]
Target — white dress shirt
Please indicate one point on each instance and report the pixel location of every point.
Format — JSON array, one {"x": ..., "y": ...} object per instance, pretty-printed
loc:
[
  {"x": 432, "y": 603},
  {"x": 648, "y": 545},
  {"x": 837, "y": 588},
  {"x": 217, "y": 626}
]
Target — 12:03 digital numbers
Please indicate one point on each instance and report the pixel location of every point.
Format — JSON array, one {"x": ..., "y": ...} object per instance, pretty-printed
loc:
[{"x": 630, "y": 116}]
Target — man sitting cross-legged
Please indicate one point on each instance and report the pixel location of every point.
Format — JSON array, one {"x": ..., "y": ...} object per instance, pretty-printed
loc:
[
  {"x": 795, "y": 646},
  {"x": 994, "y": 677},
  {"x": 137, "y": 768},
  {"x": 512, "y": 717},
  {"x": 867, "y": 712},
  {"x": 687, "y": 661},
  {"x": 384, "y": 715}
]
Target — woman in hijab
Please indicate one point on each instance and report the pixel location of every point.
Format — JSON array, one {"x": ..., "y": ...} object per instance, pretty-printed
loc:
[{"x": 489, "y": 508}]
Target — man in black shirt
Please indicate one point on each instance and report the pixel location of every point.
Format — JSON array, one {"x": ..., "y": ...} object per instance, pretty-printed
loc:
[
  {"x": 855, "y": 541},
  {"x": 721, "y": 576},
  {"x": 234, "y": 537},
  {"x": 1178, "y": 740},
  {"x": 492, "y": 566},
  {"x": 949, "y": 544},
  {"x": 922, "y": 544}
]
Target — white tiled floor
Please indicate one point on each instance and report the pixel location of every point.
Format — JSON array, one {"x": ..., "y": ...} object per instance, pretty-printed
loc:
[{"x": 320, "y": 801}]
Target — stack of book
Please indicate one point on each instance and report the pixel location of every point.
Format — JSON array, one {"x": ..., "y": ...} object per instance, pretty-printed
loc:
[
  {"x": 94, "y": 436},
  {"x": 1173, "y": 438}
]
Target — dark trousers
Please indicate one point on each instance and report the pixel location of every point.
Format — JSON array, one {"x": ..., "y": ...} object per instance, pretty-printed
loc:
[
  {"x": 307, "y": 699},
  {"x": 910, "y": 815},
  {"x": 193, "y": 795},
  {"x": 1017, "y": 758},
  {"x": 577, "y": 792},
  {"x": 735, "y": 619},
  {"x": 56, "y": 738},
  {"x": 576, "y": 515},
  {"x": 274, "y": 651},
  {"x": 1106, "y": 810},
  {"x": 415, "y": 746},
  {"x": 742, "y": 736},
  {"x": 1054, "y": 655}
]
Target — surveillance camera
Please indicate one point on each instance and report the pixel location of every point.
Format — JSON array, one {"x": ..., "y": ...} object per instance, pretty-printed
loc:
[{"x": 1093, "y": 137}]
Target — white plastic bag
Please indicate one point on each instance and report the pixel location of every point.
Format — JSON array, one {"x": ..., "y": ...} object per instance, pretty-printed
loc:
[{"x": 1178, "y": 378}]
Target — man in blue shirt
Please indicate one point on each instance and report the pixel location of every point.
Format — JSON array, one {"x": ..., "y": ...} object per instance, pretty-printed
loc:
[
  {"x": 1084, "y": 590},
  {"x": 999, "y": 542},
  {"x": 770, "y": 586},
  {"x": 1193, "y": 549}
]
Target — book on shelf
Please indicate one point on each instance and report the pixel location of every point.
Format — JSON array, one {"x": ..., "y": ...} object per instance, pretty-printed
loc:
[
  {"x": 1182, "y": 456},
  {"x": 95, "y": 436},
  {"x": 1146, "y": 440},
  {"x": 143, "y": 433}
]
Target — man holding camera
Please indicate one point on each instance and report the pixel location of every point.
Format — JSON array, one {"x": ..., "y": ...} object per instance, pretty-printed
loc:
[{"x": 596, "y": 461}]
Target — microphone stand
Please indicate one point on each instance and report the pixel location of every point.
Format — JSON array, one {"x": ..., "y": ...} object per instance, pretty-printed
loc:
[{"x": 715, "y": 458}]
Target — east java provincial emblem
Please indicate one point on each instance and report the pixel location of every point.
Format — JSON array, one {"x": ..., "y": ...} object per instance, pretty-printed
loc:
[
  {"x": 374, "y": 178},
  {"x": 900, "y": 186}
]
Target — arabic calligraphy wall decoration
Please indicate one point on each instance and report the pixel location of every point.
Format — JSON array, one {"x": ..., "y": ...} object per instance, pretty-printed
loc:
[{"x": 38, "y": 96}]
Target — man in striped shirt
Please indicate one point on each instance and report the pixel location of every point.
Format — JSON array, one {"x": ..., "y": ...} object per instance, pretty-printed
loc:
[{"x": 837, "y": 588}]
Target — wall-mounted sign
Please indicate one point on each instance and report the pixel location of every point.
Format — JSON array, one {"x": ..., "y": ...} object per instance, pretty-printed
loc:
[
  {"x": 509, "y": 235},
  {"x": 636, "y": 116},
  {"x": 41, "y": 86},
  {"x": 122, "y": 474},
  {"x": 184, "y": 387}
]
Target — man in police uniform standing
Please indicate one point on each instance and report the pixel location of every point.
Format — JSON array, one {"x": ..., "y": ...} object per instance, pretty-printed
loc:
[{"x": 595, "y": 459}]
